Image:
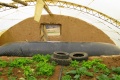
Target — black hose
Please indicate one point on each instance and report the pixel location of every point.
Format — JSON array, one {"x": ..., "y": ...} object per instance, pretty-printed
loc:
[
  {"x": 60, "y": 75},
  {"x": 27, "y": 49}
]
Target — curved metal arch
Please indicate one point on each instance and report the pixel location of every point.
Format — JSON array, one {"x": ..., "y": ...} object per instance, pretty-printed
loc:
[
  {"x": 78, "y": 7},
  {"x": 85, "y": 9}
]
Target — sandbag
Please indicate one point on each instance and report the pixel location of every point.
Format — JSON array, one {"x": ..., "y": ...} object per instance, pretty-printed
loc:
[{"x": 27, "y": 49}]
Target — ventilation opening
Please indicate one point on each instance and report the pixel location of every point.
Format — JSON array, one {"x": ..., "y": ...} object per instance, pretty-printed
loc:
[{"x": 53, "y": 29}]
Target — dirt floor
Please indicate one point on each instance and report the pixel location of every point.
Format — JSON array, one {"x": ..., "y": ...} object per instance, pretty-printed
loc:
[{"x": 110, "y": 61}]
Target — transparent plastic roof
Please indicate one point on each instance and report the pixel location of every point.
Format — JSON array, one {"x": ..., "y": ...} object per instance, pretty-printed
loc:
[{"x": 111, "y": 8}]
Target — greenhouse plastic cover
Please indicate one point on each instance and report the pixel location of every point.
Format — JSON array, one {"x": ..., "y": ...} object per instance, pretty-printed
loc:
[{"x": 111, "y": 8}]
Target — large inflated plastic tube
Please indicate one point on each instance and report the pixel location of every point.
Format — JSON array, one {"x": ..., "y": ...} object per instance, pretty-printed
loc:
[{"x": 32, "y": 48}]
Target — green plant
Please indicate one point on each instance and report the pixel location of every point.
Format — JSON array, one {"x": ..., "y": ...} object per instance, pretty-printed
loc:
[
  {"x": 10, "y": 70},
  {"x": 27, "y": 71},
  {"x": 79, "y": 71},
  {"x": 116, "y": 70},
  {"x": 1, "y": 79},
  {"x": 31, "y": 78},
  {"x": 0, "y": 73},
  {"x": 53, "y": 63},
  {"x": 44, "y": 68},
  {"x": 96, "y": 65},
  {"x": 74, "y": 63},
  {"x": 19, "y": 62},
  {"x": 44, "y": 58},
  {"x": 103, "y": 77},
  {"x": 12, "y": 78},
  {"x": 3, "y": 63},
  {"x": 115, "y": 77},
  {"x": 89, "y": 64},
  {"x": 45, "y": 78},
  {"x": 66, "y": 77}
]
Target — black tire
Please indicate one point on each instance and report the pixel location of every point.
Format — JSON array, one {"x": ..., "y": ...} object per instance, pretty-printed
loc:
[
  {"x": 61, "y": 55},
  {"x": 79, "y": 56},
  {"x": 63, "y": 62}
]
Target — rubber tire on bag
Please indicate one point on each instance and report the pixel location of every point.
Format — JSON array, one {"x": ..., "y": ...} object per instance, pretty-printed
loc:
[
  {"x": 63, "y": 62},
  {"x": 79, "y": 56},
  {"x": 61, "y": 55}
]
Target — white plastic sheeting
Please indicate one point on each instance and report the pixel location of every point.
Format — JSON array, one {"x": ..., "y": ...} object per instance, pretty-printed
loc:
[{"x": 11, "y": 17}]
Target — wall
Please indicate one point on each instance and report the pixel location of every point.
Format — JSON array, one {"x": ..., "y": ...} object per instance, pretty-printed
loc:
[{"x": 72, "y": 30}]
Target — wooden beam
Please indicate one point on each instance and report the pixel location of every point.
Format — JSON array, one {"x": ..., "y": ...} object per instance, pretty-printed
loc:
[
  {"x": 44, "y": 35},
  {"x": 38, "y": 10},
  {"x": 47, "y": 9},
  {"x": 8, "y": 5},
  {"x": 21, "y": 2}
]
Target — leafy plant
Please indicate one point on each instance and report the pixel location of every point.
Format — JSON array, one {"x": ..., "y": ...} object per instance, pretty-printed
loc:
[
  {"x": 116, "y": 70},
  {"x": 103, "y": 77},
  {"x": 27, "y": 71},
  {"x": 53, "y": 63},
  {"x": 3, "y": 63},
  {"x": 66, "y": 77},
  {"x": 1, "y": 79},
  {"x": 44, "y": 68},
  {"x": 31, "y": 78},
  {"x": 38, "y": 58},
  {"x": 10, "y": 70},
  {"x": 96, "y": 65},
  {"x": 12, "y": 78},
  {"x": 79, "y": 71},
  {"x": 19, "y": 62},
  {"x": 74, "y": 63},
  {"x": 0, "y": 73},
  {"x": 90, "y": 64},
  {"x": 115, "y": 77}
]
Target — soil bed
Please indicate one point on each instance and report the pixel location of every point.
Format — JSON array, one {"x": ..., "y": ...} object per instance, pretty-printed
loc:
[{"x": 5, "y": 74}]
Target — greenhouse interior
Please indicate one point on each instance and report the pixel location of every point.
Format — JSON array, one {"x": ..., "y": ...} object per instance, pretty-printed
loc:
[{"x": 64, "y": 32}]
